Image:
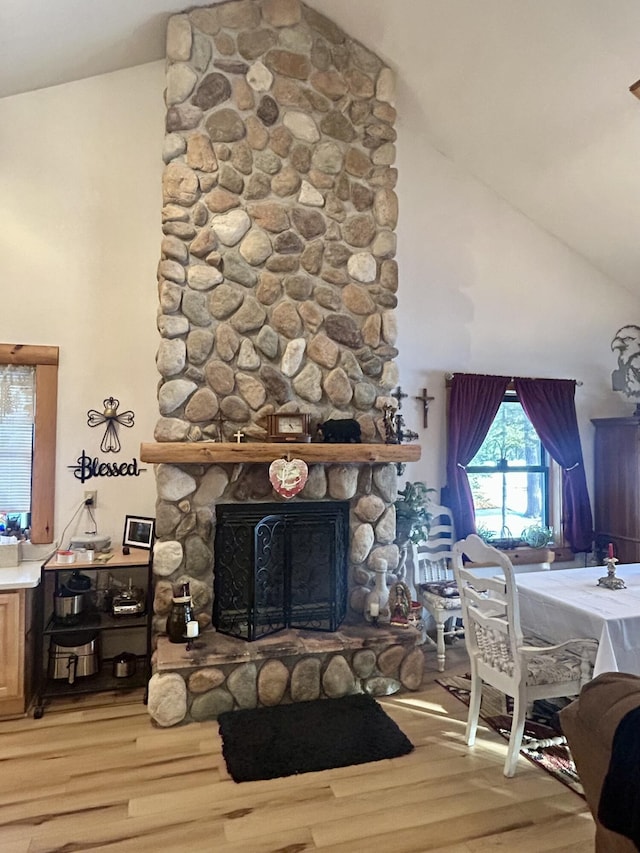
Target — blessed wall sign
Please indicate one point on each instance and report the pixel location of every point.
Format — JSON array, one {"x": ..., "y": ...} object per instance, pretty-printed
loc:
[{"x": 87, "y": 468}]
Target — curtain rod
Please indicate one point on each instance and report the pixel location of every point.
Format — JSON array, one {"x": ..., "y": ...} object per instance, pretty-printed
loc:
[{"x": 449, "y": 376}]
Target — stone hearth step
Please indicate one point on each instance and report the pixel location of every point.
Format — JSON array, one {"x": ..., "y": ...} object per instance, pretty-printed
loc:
[{"x": 221, "y": 673}]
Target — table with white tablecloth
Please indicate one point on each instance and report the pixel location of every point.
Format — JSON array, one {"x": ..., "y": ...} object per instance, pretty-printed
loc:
[{"x": 561, "y": 605}]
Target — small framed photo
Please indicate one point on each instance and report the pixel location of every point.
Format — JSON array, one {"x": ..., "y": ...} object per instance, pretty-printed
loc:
[{"x": 138, "y": 532}]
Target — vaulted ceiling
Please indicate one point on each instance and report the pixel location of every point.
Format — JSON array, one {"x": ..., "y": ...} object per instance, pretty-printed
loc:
[{"x": 529, "y": 96}]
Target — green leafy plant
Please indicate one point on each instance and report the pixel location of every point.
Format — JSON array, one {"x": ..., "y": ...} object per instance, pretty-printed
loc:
[
  {"x": 413, "y": 519},
  {"x": 537, "y": 535},
  {"x": 486, "y": 533}
]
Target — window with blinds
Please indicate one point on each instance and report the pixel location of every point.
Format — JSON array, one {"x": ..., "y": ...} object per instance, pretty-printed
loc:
[{"x": 17, "y": 408}]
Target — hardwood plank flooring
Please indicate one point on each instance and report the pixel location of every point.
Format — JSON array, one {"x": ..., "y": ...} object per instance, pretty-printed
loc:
[{"x": 96, "y": 775}]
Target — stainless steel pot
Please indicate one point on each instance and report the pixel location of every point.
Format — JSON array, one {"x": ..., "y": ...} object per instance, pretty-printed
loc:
[
  {"x": 124, "y": 665},
  {"x": 68, "y": 606},
  {"x": 73, "y": 656}
]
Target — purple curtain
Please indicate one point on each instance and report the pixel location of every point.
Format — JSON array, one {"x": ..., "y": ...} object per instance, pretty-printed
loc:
[
  {"x": 473, "y": 404},
  {"x": 550, "y": 406}
]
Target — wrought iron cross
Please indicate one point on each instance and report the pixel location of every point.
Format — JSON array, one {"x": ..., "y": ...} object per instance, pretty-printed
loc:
[
  {"x": 426, "y": 399},
  {"x": 399, "y": 396},
  {"x": 110, "y": 441}
]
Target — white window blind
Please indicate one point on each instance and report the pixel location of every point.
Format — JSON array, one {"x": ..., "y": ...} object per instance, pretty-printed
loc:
[{"x": 17, "y": 407}]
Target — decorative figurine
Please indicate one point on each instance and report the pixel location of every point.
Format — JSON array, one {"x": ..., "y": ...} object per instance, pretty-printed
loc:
[
  {"x": 340, "y": 431},
  {"x": 389, "y": 413},
  {"x": 399, "y": 605},
  {"x": 218, "y": 433},
  {"x": 626, "y": 377},
  {"x": 394, "y": 428},
  {"x": 610, "y": 581}
]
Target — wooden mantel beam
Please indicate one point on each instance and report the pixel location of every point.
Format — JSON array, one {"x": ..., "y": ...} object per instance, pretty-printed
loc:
[{"x": 213, "y": 452}]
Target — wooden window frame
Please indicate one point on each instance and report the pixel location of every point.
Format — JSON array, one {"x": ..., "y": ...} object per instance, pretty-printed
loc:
[{"x": 43, "y": 478}]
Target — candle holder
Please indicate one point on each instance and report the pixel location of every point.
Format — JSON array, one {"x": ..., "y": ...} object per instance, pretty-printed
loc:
[
  {"x": 193, "y": 631},
  {"x": 610, "y": 581}
]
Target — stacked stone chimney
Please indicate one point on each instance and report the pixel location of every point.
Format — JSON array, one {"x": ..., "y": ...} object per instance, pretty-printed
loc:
[{"x": 277, "y": 281}]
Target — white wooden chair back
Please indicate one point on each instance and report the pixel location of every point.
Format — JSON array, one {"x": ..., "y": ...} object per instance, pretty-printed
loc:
[
  {"x": 432, "y": 560},
  {"x": 434, "y": 582},
  {"x": 490, "y": 611}
]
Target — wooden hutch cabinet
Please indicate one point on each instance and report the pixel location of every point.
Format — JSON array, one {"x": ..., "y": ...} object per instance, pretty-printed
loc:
[{"x": 617, "y": 486}]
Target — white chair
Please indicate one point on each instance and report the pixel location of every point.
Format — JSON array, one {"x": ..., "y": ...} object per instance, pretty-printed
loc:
[
  {"x": 434, "y": 582},
  {"x": 498, "y": 652}
]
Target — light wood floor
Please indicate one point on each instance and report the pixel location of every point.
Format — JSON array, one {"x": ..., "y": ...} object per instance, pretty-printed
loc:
[{"x": 103, "y": 778}]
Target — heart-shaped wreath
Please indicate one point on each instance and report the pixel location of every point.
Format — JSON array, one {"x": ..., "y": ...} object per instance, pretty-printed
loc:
[{"x": 288, "y": 476}]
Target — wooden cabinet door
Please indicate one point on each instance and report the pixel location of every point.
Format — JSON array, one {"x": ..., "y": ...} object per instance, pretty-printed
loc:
[
  {"x": 12, "y": 658},
  {"x": 617, "y": 485}
]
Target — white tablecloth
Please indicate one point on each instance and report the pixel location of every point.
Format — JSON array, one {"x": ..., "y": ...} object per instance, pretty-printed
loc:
[{"x": 569, "y": 603}]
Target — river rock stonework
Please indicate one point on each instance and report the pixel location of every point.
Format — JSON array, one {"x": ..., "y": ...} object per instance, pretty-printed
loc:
[
  {"x": 223, "y": 674},
  {"x": 277, "y": 280}
]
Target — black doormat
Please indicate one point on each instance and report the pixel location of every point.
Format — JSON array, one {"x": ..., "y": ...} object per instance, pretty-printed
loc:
[{"x": 264, "y": 743}]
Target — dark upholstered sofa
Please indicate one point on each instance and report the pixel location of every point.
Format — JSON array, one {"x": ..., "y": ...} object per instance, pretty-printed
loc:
[{"x": 589, "y": 724}]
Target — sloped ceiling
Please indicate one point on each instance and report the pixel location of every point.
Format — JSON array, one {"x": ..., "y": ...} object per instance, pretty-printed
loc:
[{"x": 529, "y": 96}]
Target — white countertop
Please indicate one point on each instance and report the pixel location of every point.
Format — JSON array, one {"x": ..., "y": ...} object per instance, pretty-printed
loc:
[{"x": 24, "y": 576}]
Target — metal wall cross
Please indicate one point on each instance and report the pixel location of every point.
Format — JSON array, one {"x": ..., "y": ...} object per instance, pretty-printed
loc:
[
  {"x": 399, "y": 395},
  {"x": 426, "y": 399}
]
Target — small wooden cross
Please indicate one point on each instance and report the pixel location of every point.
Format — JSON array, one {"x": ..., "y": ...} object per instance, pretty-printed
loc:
[
  {"x": 399, "y": 396},
  {"x": 426, "y": 399},
  {"x": 238, "y": 436}
]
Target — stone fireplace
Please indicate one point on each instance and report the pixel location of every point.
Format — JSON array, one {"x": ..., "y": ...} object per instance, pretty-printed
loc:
[{"x": 277, "y": 288}]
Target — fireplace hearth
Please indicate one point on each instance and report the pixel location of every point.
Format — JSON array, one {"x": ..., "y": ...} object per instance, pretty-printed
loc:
[{"x": 280, "y": 566}]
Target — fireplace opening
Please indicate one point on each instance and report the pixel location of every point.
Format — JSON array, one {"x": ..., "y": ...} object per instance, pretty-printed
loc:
[{"x": 280, "y": 566}]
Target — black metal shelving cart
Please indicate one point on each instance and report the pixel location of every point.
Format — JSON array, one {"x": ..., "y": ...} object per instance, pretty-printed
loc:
[{"x": 114, "y": 619}]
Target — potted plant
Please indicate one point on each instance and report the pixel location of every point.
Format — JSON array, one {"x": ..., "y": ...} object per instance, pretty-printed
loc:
[
  {"x": 537, "y": 535},
  {"x": 413, "y": 519}
]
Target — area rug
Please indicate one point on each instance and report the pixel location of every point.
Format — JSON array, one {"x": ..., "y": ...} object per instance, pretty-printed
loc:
[
  {"x": 265, "y": 743},
  {"x": 495, "y": 710}
]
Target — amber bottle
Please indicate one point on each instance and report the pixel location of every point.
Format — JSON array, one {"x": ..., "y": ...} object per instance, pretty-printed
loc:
[{"x": 180, "y": 614}]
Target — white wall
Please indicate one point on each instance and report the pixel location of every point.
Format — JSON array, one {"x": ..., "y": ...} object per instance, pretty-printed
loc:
[
  {"x": 81, "y": 170},
  {"x": 482, "y": 289}
]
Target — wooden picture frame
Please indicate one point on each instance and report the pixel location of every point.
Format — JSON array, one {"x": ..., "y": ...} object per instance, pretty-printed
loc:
[{"x": 138, "y": 532}]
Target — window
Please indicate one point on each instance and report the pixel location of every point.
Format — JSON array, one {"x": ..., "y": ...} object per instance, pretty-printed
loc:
[
  {"x": 43, "y": 360},
  {"x": 474, "y": 402},
  {"x": 17, "y": 409},
  {"x": 509, "y": 476}
]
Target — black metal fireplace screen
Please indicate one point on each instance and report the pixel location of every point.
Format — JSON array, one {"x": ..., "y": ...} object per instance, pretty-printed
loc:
[{"x": 280, "y": 566}]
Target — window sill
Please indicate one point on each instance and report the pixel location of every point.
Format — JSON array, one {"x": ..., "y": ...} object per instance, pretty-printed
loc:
[{"x": 524, "y": 557}]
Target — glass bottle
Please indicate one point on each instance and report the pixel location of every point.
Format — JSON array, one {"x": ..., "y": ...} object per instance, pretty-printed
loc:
[{"x": 180, "y": 615}]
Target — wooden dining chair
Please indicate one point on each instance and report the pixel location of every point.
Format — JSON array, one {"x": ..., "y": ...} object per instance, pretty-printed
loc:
[
  {"x": 434, "y": 582},
  {"x": 525, "y": 669}
]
